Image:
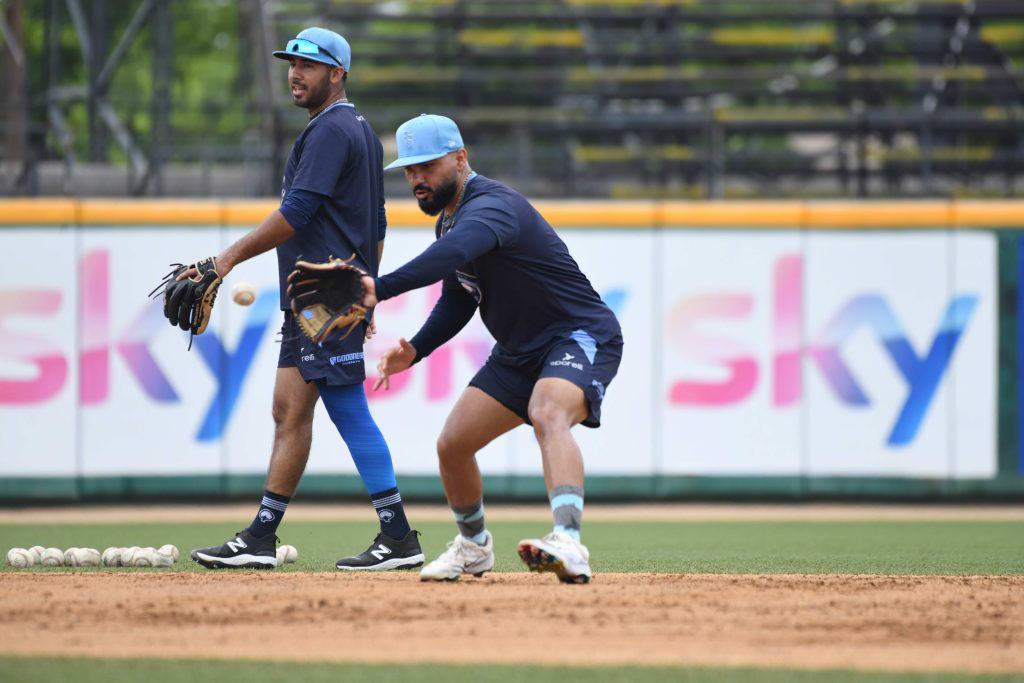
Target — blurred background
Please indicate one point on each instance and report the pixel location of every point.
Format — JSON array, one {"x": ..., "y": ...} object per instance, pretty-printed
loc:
[
  {"x": 804, "y": 213},
  {"x": 674, "y": 99}
]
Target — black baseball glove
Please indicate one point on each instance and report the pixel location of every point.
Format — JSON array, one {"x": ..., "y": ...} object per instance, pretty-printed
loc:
[{"x": 188, "y": 302}]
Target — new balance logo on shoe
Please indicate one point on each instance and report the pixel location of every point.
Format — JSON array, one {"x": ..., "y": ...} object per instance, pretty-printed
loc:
[
  {"x": 381, "y": 551},
  {"x": 236, "y": 544}
]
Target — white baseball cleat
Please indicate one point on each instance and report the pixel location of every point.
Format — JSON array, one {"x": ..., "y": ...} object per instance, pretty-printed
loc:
[
  {"x": 463, "y": 556},
  {"x": 558, "y": 553}
]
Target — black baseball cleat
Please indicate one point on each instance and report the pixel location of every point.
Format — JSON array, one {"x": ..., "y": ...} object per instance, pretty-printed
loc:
[
  {"x": 244, "y": 551},
  {"x": 386, "y": 553}
]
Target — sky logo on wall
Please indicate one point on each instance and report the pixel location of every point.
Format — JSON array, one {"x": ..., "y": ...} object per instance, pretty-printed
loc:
[
  {"x": 922, "y": 372},
  {"x": 229, "y": 365}
]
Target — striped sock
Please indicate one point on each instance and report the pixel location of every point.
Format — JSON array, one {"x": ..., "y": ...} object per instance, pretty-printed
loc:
[
  {"x": 567, "y": 510},
  {"x": 391, "y": 513},
  {"x": 270, "y": 514},
  {"x": 470, "y": 520}
]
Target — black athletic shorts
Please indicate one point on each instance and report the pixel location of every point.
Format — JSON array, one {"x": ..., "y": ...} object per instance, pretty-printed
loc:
[
  {"x": 589, "y": 366},
  {"x": 338, "y": 361}
]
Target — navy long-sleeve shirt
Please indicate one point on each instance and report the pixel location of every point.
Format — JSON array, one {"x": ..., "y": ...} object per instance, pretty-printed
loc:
[{"x": 511, "y": 264}]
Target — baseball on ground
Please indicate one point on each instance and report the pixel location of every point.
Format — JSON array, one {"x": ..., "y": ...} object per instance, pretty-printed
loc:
[
  {"x": 37, "y": 553},
  {"x": 169, "y": 551},
  {"x": 243, "y": 293},
  {"x": 51, "y": 557},
  {"x": 87, "y": 557},
  {"x": 144, "y": 557},
  {"x": 291, "y": 553},
  {"x": 111, "y": 557},
  {"x": 70, "y": 557},
  {"x": 126, "y": 555},
  {"x": 20, "y": 558}
]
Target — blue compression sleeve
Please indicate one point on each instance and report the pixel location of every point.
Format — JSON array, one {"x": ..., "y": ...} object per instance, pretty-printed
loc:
[
  {"x": 467, "y": 242},
  {"x": 452, "y": 311},
  {"x": 298, "y": 207},
  {"x": 351, "y": 415}
]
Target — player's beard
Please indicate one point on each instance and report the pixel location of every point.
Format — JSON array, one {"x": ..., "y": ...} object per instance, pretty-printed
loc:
[
  {"x": 316, "y": 95},
  {"x": 439, "y": 197}
]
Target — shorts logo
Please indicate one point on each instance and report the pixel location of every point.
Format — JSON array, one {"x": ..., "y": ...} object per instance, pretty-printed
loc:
[
  {"x": 386, "y": 515},
  {"x": 567, "y": 361},
  {"x": 309, "y": 357},
  {"x": 347, "y": 359},
  {"x": 266, "y": 515}
]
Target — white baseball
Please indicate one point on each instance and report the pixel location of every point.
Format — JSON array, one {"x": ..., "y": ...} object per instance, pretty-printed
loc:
[
  {"x": 145, "y": 557},
  {"x": 87, "y": 557},
  {"x": 243, "y": 293},
  {"x": 126, "y": 555},
  {"x": 20, "y": 558},
  {"x": 170, "y": 551},
  {"x": 37, "y": 553},
  {"x": 281, "y": 553},
  {"x": 291, "y": 553},
  {"x": 71, "y": 557},
  {"x": 111, "y": 557},
  {"x": 162, "y": 560},
  {"x": 51, "y": 557}
]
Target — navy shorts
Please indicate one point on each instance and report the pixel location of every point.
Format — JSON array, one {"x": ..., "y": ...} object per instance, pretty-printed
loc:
[
  {"x": 338, "y": 361},
  {"x": 589, "y": 366}
]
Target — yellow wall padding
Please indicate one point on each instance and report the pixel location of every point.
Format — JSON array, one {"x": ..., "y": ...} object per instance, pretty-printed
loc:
[{"x": 824, "y": 215}]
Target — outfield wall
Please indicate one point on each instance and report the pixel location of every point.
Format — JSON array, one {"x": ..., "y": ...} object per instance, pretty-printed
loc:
[{"x": 773, "y": 349}]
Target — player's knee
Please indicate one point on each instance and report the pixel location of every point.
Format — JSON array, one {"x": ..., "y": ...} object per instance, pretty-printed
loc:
[
  {"x": 451, "y": 448},
  {"x": 288, "y": 416},
  {"x": 446, "y": 447},
  {"x": 548, "y": 417}
]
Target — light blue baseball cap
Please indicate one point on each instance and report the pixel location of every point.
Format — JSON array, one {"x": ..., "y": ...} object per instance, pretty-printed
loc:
[
  {"x": 318, "y": 45},
  {"x": 425, "y": 138}
]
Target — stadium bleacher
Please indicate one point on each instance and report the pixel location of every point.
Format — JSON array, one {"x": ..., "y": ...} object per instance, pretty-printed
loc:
[{"x": 701, "y": 98}]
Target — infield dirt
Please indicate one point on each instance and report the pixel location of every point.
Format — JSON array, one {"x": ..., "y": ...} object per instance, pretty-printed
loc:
[{"x": 954, "y": 624}]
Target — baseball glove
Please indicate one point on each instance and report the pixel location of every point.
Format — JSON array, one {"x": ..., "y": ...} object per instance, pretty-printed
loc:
[
  {"x": 327, "y": 297},
  {"x": 188, "y": 303}
]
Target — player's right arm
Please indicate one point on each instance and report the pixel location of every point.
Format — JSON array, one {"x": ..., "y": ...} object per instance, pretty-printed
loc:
[{"x": 452, "y": 311}]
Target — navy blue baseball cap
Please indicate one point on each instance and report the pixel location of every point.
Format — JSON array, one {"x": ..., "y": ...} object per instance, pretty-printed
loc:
[
  {"x": 318, "y": 45},
  {"x": 425, "y": 138}
]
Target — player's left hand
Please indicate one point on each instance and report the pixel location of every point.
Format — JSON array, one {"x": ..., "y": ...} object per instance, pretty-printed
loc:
[
  {"x": 189, "y": 293},
  {"x": 371, "y": 330}
]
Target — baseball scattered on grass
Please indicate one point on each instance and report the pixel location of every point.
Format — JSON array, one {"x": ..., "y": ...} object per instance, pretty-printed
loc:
[
  {"x": 144, "y": 557},
  {"x": 126, "y": 555},
  {"x": 86, "y": 557},
  {"x": 111, "y": 557},
  {"x": 243, "y": 293},
  {"x": 169, "y": 551},
  {"x": 291, "y": 553},
  {"x": 69, "y": 557},
  {"x": 37, "y": 553},
  {"x": 20, "y": 558},
  {"x": 51, "y": 557}
]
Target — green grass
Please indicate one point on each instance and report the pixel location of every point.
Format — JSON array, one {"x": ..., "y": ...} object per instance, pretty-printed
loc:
[
  {"x": 958, "y": 548},
  {"x": 30, "y": 669}
]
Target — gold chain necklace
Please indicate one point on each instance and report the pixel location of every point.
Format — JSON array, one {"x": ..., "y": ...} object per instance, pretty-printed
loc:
[{"x": 448, "y": 221}]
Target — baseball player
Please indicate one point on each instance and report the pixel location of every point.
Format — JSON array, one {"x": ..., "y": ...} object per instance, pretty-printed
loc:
[
  {"x": 332, "y": 204},
  {"x": 558, "y": 344}
]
